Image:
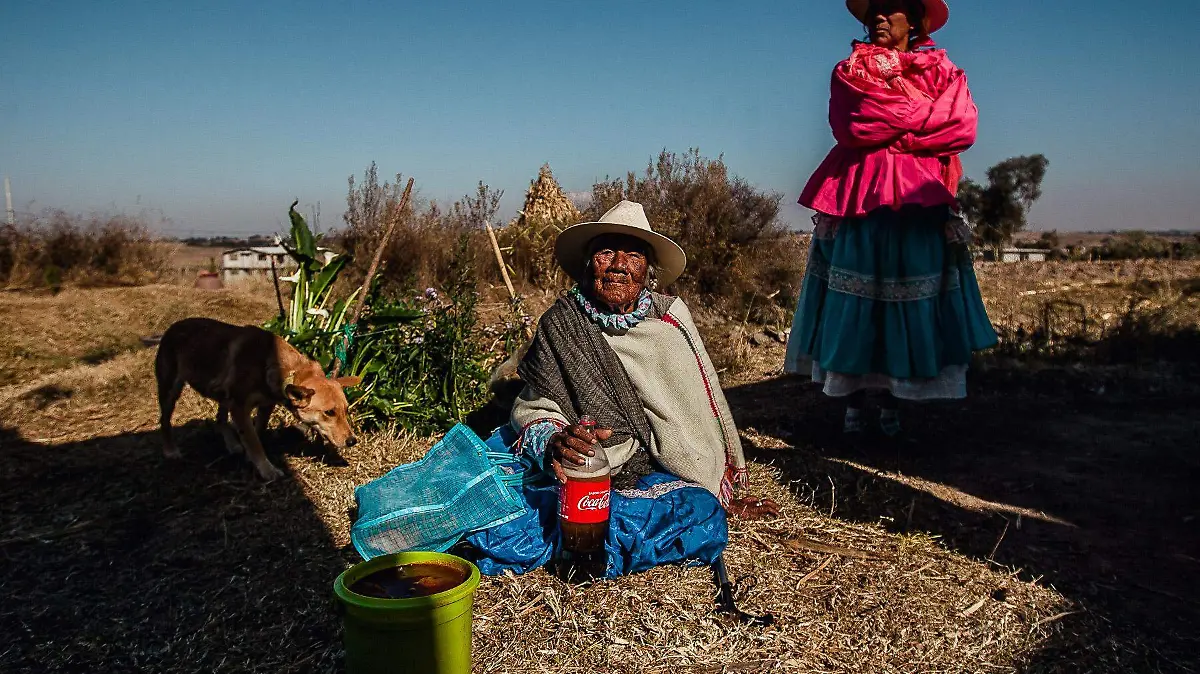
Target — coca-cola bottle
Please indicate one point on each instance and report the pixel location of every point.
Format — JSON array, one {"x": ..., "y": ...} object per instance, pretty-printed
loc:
[{"x": 583, "y": 511}]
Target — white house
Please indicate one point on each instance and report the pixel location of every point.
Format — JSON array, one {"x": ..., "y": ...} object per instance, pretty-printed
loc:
[
  {"x": 1023, "y": 255},
  {"x": 239, "y": 263},
  {"x": 1013, "y": 254}
]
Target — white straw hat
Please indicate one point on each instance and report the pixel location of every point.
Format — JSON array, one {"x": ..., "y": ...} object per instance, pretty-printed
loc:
[
  {"x": 937, "y": 12},
  {"x": 627, "y": 217}
]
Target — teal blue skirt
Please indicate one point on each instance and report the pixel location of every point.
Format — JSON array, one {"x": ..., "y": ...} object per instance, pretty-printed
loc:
[{"x": 890, "y": 301}]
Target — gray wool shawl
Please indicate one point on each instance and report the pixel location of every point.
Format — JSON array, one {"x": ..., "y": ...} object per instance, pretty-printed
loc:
[
  {"x": 653, "y": 384},
  {"x": 570, "y": 363}
]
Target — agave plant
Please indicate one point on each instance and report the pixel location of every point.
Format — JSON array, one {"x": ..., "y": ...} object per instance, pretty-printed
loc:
[
  {"x": 419, "y": 358},
  {"x": 314, "y": 322},
  {"x": 311, "y": 314}
]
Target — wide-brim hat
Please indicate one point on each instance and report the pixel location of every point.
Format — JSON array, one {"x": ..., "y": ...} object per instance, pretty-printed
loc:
[
  {"x": 627, "y": 217},
  {"x": 937, "y": 12}
]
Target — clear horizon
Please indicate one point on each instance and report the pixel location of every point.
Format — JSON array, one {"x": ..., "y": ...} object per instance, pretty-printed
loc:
[{"x": 217, "y": 117}]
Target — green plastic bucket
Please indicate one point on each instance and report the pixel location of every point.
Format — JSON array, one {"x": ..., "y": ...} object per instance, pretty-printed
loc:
[{"x": 420, "y": 635}]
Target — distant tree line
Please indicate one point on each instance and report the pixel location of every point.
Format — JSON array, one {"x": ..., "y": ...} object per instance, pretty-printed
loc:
[
  {"x": 1139, "y": 245},
  {"x": 999, "y": 210},
  {"x": 1130, "y": 245},
  {"x": 255, "y": 241}
]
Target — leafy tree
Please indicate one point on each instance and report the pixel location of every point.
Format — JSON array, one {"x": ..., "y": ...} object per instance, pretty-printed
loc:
[{"x": 999, "y": 210}]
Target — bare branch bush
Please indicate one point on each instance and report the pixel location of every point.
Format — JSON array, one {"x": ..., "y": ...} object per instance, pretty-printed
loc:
[
  {"x": 424, "y": 249},
  {"x": 56, "y": 247}
]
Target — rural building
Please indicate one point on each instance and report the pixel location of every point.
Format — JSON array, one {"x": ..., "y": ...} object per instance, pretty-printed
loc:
[
  {"x": 1023, "y": 255},
  {"x": 239, "y": 263},
  {"x": 1016, "y": 255}
]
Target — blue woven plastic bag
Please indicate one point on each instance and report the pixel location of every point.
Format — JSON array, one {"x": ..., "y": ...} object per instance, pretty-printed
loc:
[{"x": 458, "y": 487}]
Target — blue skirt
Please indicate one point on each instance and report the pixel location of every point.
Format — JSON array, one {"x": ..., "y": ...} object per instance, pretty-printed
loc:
[
  {"x": 890, "y": 301},
  {"x": 664, "y": 520}
]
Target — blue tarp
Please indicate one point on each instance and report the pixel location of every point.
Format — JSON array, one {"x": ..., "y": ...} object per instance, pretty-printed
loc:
[
  {"x": 465, "y": 485},
  {"x": 663, "y": 521}
]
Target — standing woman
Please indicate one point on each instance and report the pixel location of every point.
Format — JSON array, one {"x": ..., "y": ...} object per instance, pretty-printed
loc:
[{"x": 890, "y": 301}]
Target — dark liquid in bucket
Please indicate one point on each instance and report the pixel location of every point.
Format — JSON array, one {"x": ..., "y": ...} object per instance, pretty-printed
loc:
[{"x": 410, "y": 580}]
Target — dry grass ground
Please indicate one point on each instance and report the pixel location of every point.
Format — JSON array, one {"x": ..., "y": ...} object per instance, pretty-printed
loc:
[
  {"x": 1090, "y": 299},
  {"x": 47, "y": 333},
  {"x": 1043, "y": 525}
]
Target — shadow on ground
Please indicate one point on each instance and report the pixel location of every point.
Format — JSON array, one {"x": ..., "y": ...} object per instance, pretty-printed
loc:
[
  {"x": 1110, "y": 462},
  {"x": 115, "y": 559}
]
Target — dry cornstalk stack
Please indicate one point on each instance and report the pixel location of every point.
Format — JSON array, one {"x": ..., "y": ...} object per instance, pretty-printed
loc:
[
  {"x": 545, "y": 202},
  {"x": 529, "y": 238}
]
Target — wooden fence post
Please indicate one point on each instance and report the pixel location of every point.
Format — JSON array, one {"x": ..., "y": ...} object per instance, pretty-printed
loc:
[{"x": 366, "y": 286}]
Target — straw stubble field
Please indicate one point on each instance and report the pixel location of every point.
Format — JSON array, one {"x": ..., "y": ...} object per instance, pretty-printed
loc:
[{"x": 1047, "y": 524}]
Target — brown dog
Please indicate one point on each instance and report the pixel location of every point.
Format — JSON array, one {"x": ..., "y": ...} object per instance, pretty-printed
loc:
[{"x": 244, "y": 369}]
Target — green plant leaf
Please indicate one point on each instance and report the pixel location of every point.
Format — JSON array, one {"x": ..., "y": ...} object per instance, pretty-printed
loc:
[
  {"x": 323, "y": 281},
  {"x": 302, "y": 236},
  {"x": 389, "y": 315}
]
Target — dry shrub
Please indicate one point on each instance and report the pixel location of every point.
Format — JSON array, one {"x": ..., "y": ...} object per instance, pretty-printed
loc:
[
  {"x": 57, "y": 247},
  {"x": 425, "y": 245},
  {"x": 742, "y": 259},
  {"x": 741, "y": 256}
]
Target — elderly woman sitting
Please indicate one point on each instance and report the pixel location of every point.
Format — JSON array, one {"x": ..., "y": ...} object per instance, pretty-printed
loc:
[{"x": 614, "y": 349}]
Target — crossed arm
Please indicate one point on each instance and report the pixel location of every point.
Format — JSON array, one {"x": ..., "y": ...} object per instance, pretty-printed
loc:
[{"x": 864, "y": 115}]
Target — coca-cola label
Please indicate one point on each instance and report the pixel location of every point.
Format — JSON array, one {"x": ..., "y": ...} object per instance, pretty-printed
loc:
[{"x": 582, "y": 502}]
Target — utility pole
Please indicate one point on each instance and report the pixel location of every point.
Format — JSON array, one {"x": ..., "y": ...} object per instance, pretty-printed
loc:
[{"x": 12, "y": 216}]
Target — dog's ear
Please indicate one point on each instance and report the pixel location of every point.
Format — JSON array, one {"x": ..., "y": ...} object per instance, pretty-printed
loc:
[
  {"x": 347, "y": 382},
  {"x": 299, "y": 395}
]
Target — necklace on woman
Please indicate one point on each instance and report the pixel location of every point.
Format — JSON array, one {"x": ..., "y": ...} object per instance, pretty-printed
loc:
[{"x": 611, "y": 320}]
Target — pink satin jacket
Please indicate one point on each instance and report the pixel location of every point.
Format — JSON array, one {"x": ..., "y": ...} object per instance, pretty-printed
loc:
[{"x": 900, "y": 120}]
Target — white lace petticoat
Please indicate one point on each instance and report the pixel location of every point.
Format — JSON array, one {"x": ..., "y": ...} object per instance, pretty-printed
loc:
[{"x": 950, "y": 384}]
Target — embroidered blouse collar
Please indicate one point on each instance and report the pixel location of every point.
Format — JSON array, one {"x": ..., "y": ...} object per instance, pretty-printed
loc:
[
  {"x": 923, "y": 54},
  {"x": 610, "y": 320}
]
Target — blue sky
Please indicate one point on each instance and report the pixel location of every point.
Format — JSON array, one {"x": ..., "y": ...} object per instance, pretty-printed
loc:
[{"x": 216, "y": 114}]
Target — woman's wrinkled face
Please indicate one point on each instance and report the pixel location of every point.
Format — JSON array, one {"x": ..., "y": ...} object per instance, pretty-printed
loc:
[
  {"x": 620, "y": 266},
  {"x": 888, "y": 24}
]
